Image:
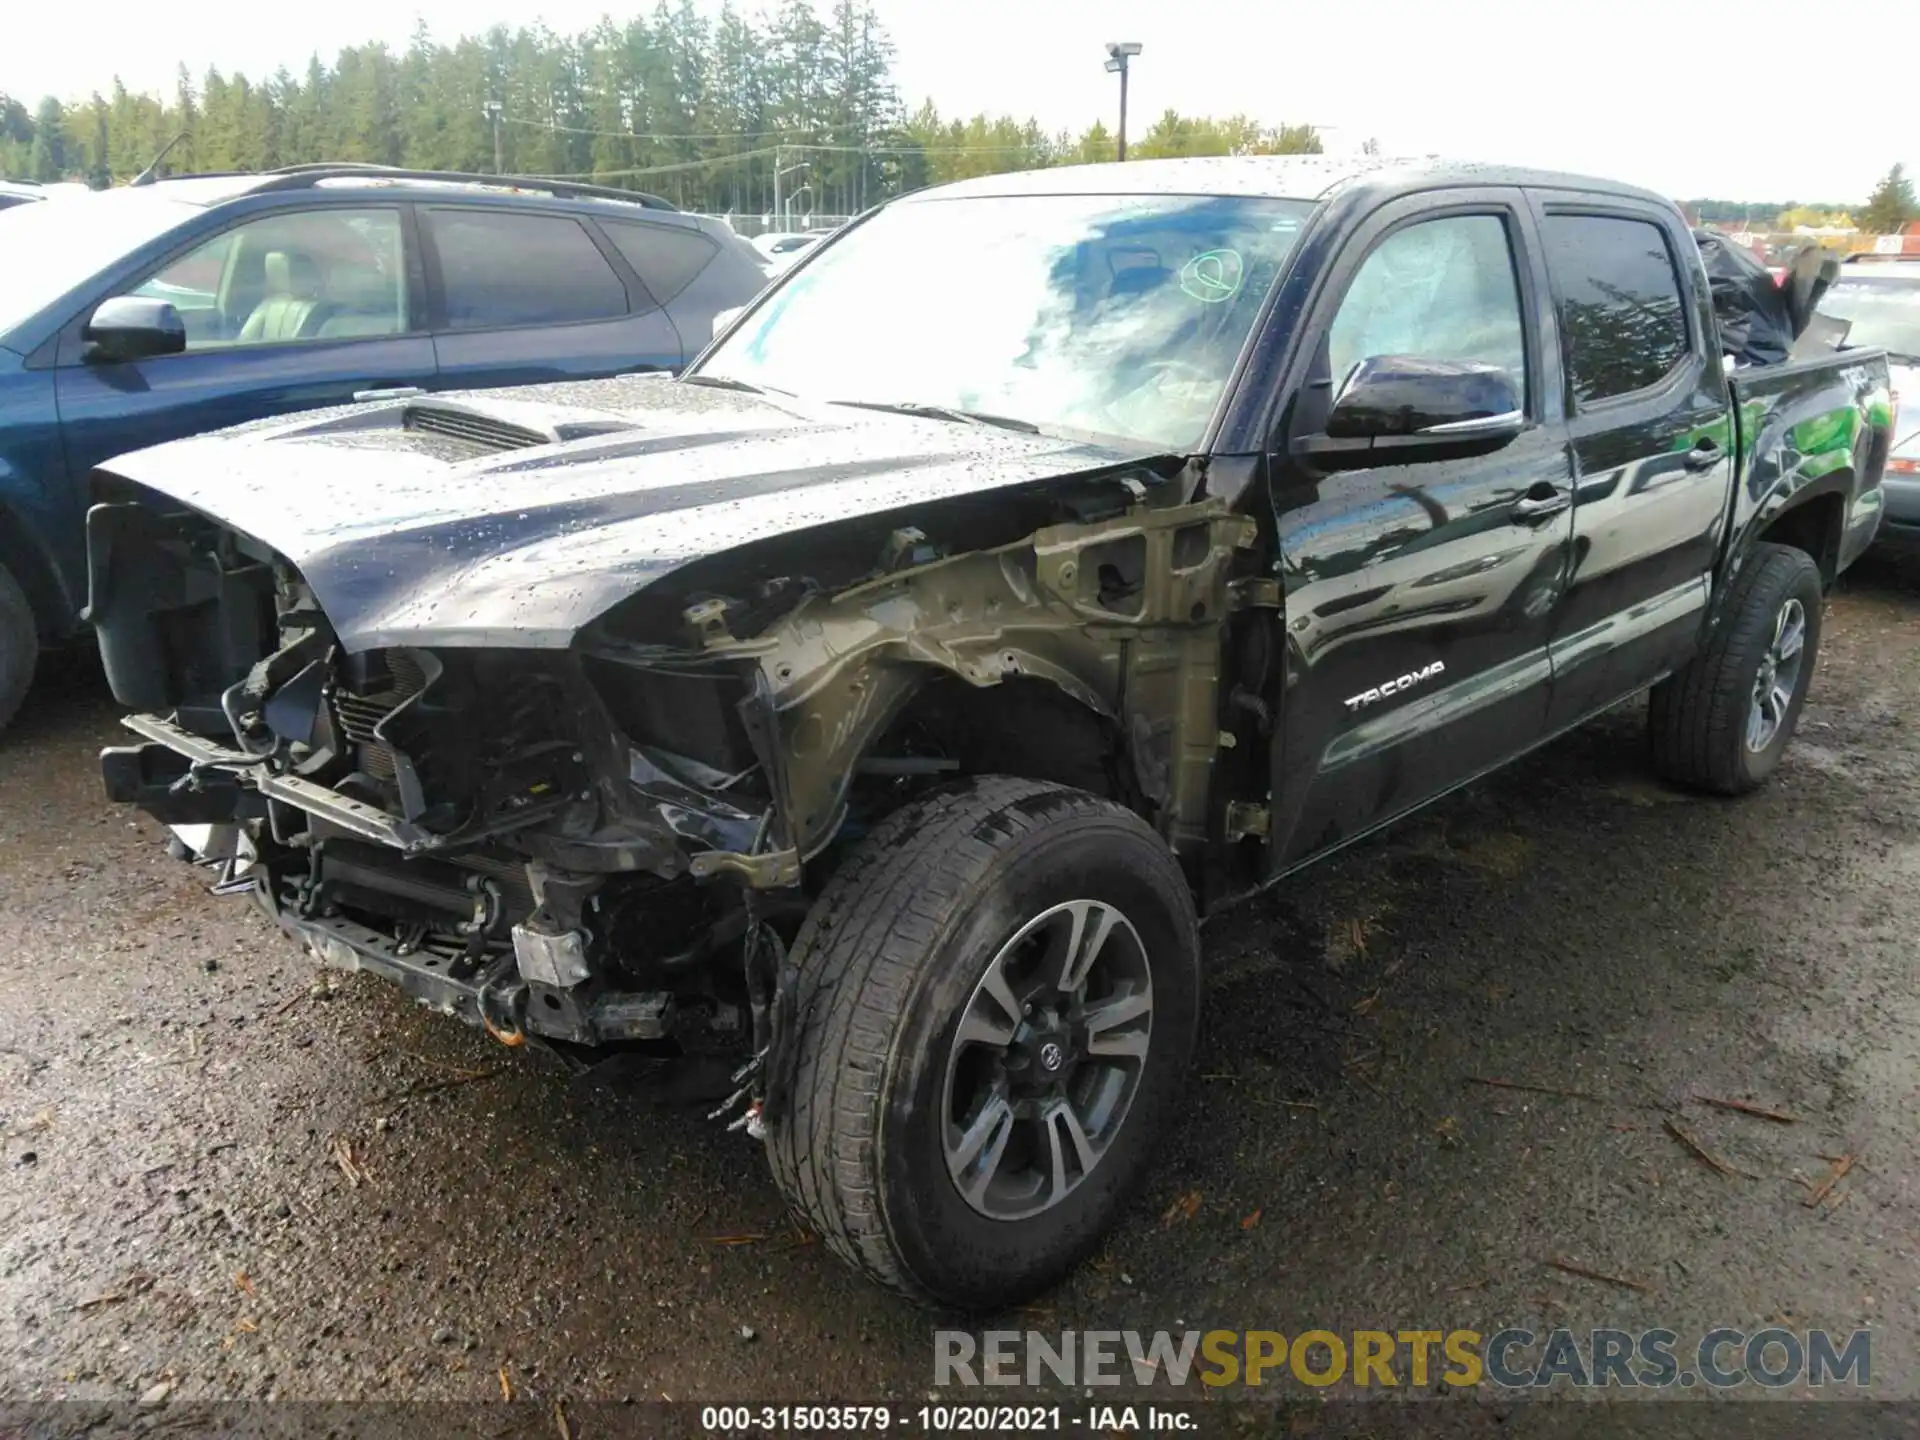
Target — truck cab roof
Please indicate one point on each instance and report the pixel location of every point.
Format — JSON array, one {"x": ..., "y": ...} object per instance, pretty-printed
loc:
[{"x": 1288, "y": 177}]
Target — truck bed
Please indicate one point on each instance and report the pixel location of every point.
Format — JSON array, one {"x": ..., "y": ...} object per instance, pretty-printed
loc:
[{"x": 1810, "y": 423}]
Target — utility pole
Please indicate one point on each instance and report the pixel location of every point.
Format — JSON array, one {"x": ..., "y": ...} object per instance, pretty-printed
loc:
[
  {"x": 779, "y": 171},
  {"x": 494, "y": 111},
  {"x": 1119, "y": 52}
]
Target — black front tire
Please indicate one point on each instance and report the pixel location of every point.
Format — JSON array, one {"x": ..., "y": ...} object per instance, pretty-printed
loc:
[
  {"x": 888, "y": 958},
  {"x": 19, "y": 647},
  {"x": 1700, "y": 717}
]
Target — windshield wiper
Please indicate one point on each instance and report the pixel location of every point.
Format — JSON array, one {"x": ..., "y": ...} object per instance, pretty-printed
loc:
[
  {"x": 727, "y": 382},
  {"x": 943, "y": 412}
]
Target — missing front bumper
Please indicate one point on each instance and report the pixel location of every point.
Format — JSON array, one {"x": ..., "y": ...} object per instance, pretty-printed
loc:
[
  {"x": 492, "y": 998},
  {"x": 212, "y": 764}
]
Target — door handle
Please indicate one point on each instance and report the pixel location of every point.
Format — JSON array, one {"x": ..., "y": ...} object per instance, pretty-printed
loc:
[
  {"x": 1538, "y": 504},
  {"x": 1704, "y": 455},
  {"x": 394, "y": 392}
]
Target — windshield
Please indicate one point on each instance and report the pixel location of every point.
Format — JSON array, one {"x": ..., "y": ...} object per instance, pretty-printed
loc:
[
  {"x": 1885, "y": 312},
  {"x": 48, "y": 248},
  {"x": 1114, "y": 315}
]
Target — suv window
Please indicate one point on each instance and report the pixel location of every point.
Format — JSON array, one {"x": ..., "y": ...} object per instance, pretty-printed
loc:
[
  {"x": 664, "y": 257},
  {"x": 308, "y": 275},
  {"x": 498, "y": 269},
  {"x": 1440, "y": 289},
  {"x": 1621, "y": 317}
]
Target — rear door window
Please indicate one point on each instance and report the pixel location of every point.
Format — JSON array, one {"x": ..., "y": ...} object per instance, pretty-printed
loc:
[
  {"x": 499, "y": 269},
  {"x": 1623, "y": 322},
  {"x": 666, "y": 258}
]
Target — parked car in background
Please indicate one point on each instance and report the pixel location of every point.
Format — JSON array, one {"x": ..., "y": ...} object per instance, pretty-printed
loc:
[
  {"x": 22, "y": 192},
  {"x": 19, "y": 192},
  {"x": 142, "y": 314},
  {"x": 784, "y": 249},
  {"x": 1879, "y": 298}
]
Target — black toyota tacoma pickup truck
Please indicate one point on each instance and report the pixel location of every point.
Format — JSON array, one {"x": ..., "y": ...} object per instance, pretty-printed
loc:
[{"x": 867, "y": 714}]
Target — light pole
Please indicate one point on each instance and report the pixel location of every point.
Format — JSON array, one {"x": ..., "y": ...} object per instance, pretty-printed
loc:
[
  {"x": 779, "y": 172},
  {"x": 494, "y": 111},
  {"x": 1119, "y": 52}
]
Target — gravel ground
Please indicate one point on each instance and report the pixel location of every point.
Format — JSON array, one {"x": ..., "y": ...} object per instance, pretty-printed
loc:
[{"x": 223, "y": 1172}]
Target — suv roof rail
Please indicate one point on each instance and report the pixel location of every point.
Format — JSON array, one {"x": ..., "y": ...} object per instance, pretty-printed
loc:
[
  {"x": 1880, "y": 255},
  {"x": 295, "y": 177}
]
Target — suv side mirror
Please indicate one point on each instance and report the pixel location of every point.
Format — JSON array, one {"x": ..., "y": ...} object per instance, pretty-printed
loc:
[
  {"x": 133, "y": 327},
  {"x": 1402, "y": 408}
]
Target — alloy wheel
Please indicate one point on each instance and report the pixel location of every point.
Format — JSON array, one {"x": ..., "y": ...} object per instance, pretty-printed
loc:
[
  {"x": 1779, "y": 675},
  {"x": 1047, "y": 1059}
]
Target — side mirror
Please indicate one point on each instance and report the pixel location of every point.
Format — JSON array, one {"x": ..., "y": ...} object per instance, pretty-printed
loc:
[
  {"x": 133, "y": 327},
  {"x": 1395, "y": 409}
]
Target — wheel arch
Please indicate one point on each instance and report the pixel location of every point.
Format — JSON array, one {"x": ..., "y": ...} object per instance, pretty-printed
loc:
[
  {"x": 1815, "y": 522},
  {"x": 27, "y": 560},
  {"x": 1811, "y": 516},
  {"x": 1104, "y": 636},
  {"x": 1028, "y": 726}
]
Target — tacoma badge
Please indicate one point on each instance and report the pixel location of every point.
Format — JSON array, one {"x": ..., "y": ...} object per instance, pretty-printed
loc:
[{"x": 1365, "y": 698}]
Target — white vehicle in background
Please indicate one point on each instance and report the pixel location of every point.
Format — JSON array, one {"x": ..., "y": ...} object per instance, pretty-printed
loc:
[
  {"x": 24, "y": 192},
  {"x": 1878, "y": 296},
  {"x": 782, "y": 248}
]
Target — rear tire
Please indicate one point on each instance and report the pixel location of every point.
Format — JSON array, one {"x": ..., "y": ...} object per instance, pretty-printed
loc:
[
  {"x": 19, "y": 646},
  {"x": 925, "y": 1138},
  {"x": 1722, "y": 723}
]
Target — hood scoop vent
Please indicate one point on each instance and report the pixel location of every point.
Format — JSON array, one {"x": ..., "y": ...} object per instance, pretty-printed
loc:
[{"x": 482, "y": 434}]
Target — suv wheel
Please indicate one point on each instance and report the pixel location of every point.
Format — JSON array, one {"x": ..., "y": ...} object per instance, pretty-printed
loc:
[
  {"x": 19, "y": 646},
  {"x": 1722, "y": 723},
  {"x": 999, "y": 998}
]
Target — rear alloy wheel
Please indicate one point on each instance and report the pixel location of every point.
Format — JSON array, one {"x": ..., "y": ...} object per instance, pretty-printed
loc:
[
  {"x": 999, "y": 998},
  {"x": 1723, "y": 722},
  {"x": 1777, "y": 682}
]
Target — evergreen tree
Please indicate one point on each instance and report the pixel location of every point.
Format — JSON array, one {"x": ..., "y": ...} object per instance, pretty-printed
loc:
[
  {"x": 49, "y": 155},
  {"x": 1891, "y": 205},
  {"x": 98, "y": 164},
  {"x": 699, "y": 106},
  {"x": 184, "y": 157}
]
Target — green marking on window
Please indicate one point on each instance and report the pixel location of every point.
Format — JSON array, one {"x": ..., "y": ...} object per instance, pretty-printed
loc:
[{"x": 1213, "y": 276}]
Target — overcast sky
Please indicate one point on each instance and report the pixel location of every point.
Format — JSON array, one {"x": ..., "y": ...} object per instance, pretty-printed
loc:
[{"x": 1648, "y": 91}]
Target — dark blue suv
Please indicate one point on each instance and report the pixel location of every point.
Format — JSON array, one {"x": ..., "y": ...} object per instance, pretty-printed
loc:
[{"x": 147, "y": 313}]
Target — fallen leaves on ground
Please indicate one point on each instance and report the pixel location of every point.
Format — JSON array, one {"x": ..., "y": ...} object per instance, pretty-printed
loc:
[
  {"x": 1779, "y": 1117},
  {"x": 1701, "y": 1153},
  {"x": 1501, "y": 1084},
  {"x": 133, "y": 1285},
  {"x": 1833, "y": 1177},
  {"x": 341, "y": 1148},
  {"x": 1560, "y": 1262},
  {"x": 1184, "y": 1207}
]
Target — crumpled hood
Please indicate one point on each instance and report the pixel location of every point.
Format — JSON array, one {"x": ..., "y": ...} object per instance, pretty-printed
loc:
[{"x": 413, "y": 528}]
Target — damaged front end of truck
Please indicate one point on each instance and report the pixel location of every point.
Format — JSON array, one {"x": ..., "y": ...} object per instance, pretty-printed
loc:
[{"x": 595, "y": 828}]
